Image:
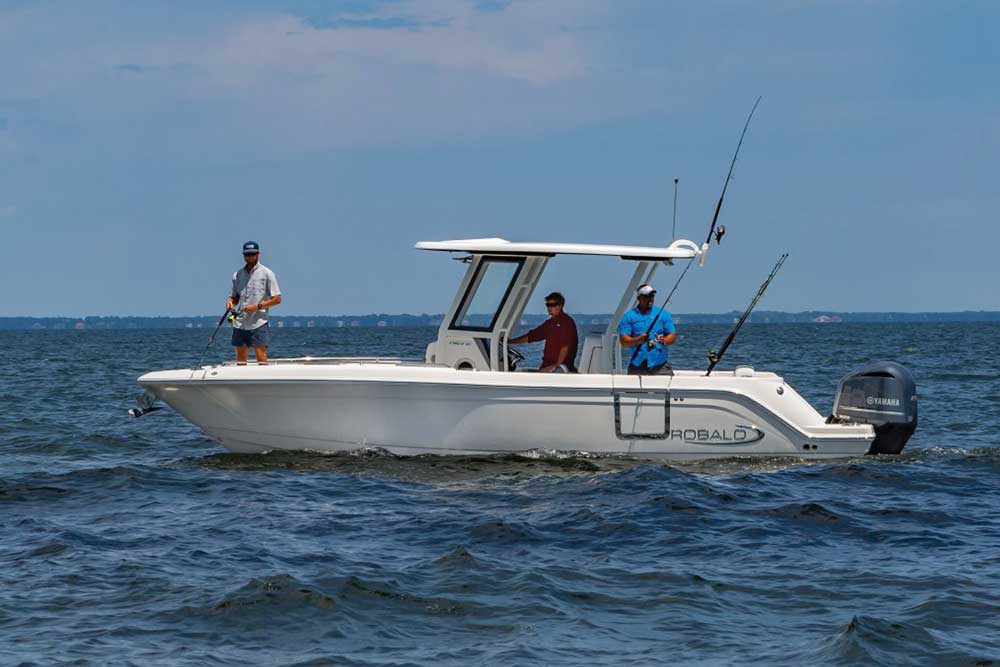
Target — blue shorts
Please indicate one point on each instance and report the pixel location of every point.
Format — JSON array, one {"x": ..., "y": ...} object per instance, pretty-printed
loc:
[{"x": 250, "y": 337}]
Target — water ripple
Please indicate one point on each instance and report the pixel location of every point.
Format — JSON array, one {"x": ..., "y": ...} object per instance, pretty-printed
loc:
[{"x": 141, "y": 542}]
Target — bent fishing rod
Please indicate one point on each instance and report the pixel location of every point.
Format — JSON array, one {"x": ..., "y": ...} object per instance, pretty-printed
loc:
[
  {"x": 711, "y": 229},
  {"x": 715, "y": 357}
]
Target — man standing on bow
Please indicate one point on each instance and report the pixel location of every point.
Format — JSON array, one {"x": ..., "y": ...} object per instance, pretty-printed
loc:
[
  {"x": 651, "y": 355},
  {"x": 255, "y": 289}
]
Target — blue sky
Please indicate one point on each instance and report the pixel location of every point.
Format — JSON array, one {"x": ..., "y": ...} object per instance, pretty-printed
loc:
[{"x": 142, "y": 143}]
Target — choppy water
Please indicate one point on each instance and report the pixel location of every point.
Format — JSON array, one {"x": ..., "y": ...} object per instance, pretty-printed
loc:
[{"x": 141, "y": 542}]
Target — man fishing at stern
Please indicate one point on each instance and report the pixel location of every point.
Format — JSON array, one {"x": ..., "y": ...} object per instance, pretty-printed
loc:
[
  {"x": 255, "y": 290},
  {"x": 649, "y": 331}
]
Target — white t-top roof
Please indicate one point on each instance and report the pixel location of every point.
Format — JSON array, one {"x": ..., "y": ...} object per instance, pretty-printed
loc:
[{"x": 677, "y": 250}]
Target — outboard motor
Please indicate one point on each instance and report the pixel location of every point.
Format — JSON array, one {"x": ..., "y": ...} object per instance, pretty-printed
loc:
[{"x": 883, "y": 394}]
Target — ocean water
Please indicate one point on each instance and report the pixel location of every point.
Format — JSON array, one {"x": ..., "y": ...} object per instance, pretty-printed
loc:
[{"x": 141, "y": 542}]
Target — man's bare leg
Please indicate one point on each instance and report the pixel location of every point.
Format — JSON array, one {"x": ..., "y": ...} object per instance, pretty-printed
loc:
[
  {"x": 261, "y": 353},
  {"x": 241, "y": 356}
]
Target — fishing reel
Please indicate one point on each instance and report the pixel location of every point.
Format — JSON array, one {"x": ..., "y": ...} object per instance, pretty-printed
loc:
[
  {"x": 720, "y": 231},
  {"x": 652, "y": 342},
  {"x": 234, "y": 312}
]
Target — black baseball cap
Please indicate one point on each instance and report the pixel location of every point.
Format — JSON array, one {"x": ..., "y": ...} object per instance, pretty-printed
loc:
[{"x": 251, "y": 248}]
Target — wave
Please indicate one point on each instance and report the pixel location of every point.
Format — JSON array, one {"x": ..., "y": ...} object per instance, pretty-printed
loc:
[
  {"x": 962, "y": 377},
  {"x": 873, "y": 640},
  {"x": 439, "y": 469},
  {"x": 261, "y": 598},
  {"x": 264, "y": 596},
  {"x": 812, "y": 512},
  {"x": 20, "y": 492},
  {"x": 432, "y": 468},
  {"x": 504, "y": 532},
  {"x": 354, "y": 587},
  {"x": 281, "y": 590},
  {"x": 674, "y": 504},
  {"x": 973, "y": 458},
  {"x": 458, "y": 556}
]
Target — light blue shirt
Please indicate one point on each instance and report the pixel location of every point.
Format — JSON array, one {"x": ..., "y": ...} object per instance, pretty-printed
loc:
[
  {"x": 634, "y": 323},
  {"x": 253, "y": 287}
]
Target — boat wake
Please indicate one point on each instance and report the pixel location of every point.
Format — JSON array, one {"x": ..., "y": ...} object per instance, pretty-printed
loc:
[
  {"x": 426, "y": 467},
  {"x": 381, "y": 463}
]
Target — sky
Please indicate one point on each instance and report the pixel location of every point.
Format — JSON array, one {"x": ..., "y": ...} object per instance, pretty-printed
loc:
[{"x": 142, "y": 143}]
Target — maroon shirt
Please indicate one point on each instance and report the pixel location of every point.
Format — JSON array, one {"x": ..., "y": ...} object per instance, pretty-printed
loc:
[{"x": 556, "y": 332}]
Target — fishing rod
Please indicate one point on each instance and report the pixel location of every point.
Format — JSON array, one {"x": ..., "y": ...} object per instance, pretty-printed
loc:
[
  {"x": 711, "y": 230},
  {"x": 146, "y": 400},
  {"x": 225, "y": 315},
  {"x": 715, "y": 357},
  {"x": 729, "y": 177}
]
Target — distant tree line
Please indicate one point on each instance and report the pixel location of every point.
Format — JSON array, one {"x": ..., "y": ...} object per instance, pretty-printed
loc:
[{"x": 424, "y": 320}]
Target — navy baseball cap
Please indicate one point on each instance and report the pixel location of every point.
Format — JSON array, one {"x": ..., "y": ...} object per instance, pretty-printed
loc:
[{"x": 251, "y": 248}]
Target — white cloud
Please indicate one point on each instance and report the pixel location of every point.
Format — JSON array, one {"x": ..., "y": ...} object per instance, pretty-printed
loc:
[
  {"x": 437, "y": 71},
  {"x": 280, "y": 83},
  {"x": 287, "y": 46}
]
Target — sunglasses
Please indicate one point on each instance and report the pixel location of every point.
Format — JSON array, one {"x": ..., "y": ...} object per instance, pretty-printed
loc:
[
  {"x": 250, "y": 254},
  {"x": 551, "y": 304}
]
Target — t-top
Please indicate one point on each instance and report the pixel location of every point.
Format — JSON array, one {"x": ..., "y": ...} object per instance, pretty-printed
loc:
[
  {"x": 556, "y": 332},
  {"x": 253, "y": 287},
  {"x": 634, "y": 323}
]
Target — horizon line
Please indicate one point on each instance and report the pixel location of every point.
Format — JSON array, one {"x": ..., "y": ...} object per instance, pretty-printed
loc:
[{"x": 580, "y": 313}]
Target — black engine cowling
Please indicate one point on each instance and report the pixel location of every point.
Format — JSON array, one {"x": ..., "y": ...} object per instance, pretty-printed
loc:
[{"x": 883, "y": 394}]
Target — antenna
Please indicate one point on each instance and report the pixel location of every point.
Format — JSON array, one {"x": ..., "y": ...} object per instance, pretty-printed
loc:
[{"x": 674, "y": 236}]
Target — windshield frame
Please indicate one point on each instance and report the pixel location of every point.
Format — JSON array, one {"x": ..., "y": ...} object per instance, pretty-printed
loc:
[{"x": 485, "y": 261}]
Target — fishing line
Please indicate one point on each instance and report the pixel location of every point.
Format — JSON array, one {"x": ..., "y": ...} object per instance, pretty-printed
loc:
[
  {"x": 225, "y": 315},
  {"x": 711, "y": 230}
]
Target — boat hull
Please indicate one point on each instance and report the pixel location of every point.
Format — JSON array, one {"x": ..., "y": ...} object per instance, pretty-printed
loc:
[{"x": 423, "y": 409}]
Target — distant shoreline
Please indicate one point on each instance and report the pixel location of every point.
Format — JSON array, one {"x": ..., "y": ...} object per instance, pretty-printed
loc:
[{"x": 388, "y": 320}]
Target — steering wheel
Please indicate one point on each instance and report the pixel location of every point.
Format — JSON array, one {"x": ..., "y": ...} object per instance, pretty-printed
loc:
[{"x": 514, "y": 357}]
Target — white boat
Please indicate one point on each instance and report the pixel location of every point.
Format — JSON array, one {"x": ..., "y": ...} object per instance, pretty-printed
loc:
[{"x": 468, "y": 397}]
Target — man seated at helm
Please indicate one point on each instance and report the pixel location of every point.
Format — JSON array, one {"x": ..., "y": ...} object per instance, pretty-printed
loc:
[
  {"x": 559, "y": 334},
  {"x": 650, "y": 355}
]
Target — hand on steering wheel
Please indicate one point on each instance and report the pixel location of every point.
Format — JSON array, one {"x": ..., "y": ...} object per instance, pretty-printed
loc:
[{"x": 514, "y": 357}]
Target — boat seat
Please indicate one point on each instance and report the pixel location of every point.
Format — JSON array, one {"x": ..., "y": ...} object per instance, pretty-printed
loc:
[{"x": 592, "y": 357}]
